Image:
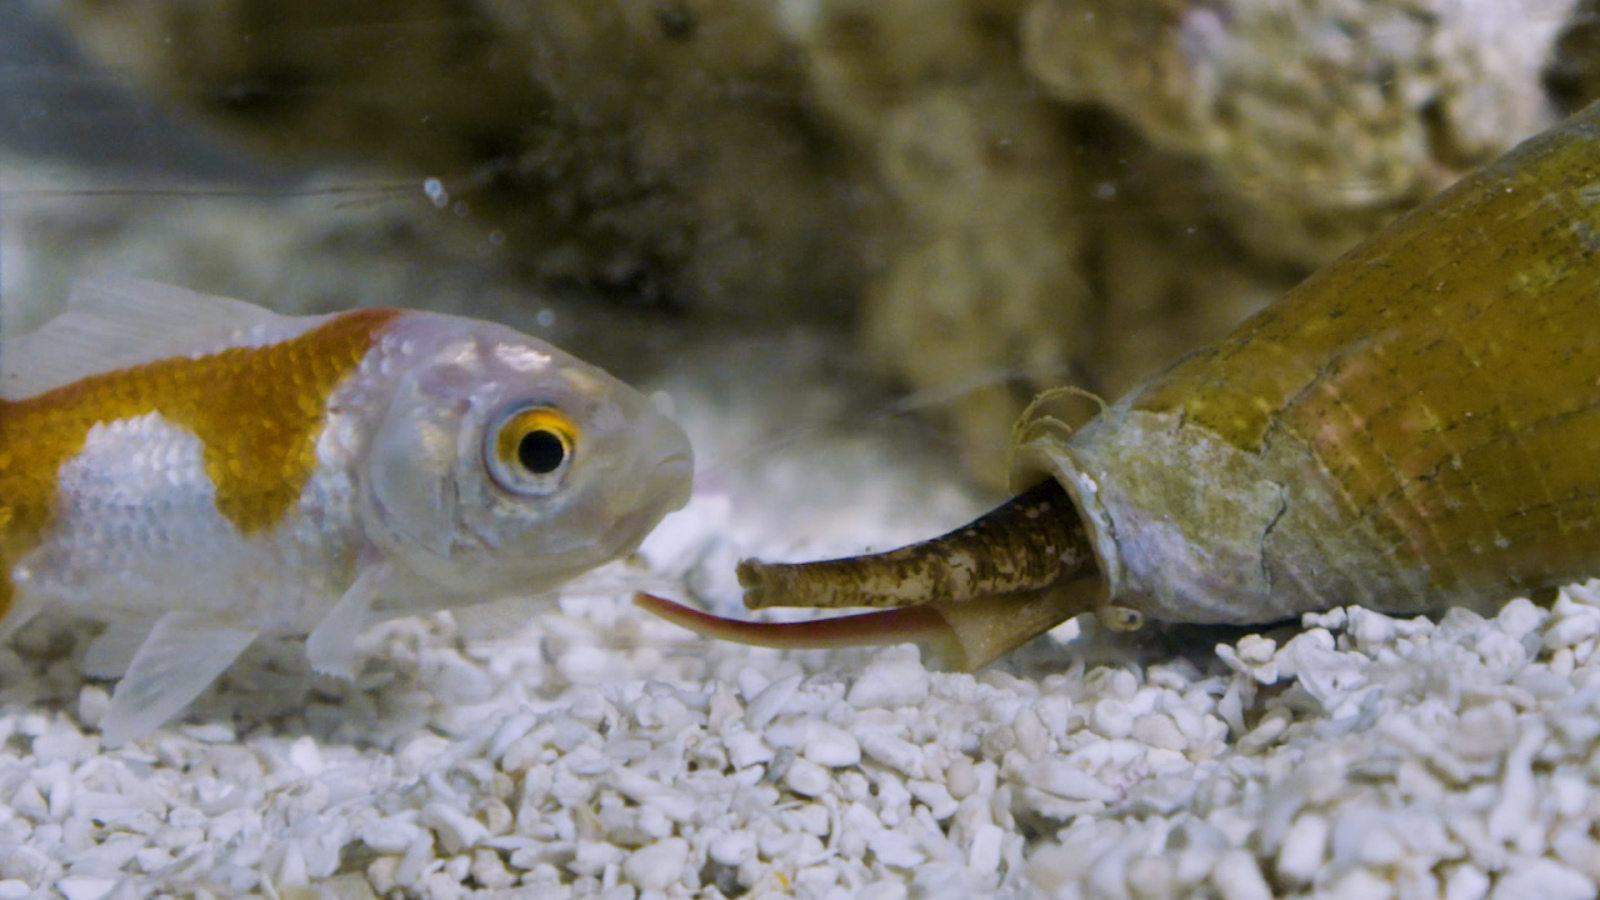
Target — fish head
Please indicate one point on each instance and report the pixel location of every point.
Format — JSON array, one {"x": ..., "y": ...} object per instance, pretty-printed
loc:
[{"x": 504, "y": 466}]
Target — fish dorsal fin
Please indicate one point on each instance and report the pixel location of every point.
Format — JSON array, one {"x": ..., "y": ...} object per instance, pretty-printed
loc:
[{"x": 113, "y": 323}]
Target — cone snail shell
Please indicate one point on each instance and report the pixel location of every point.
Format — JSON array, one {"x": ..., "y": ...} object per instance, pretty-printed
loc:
[{"x": 1414, "y": 427}]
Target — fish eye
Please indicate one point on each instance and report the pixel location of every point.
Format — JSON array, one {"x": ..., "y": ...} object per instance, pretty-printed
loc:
[
  {"x": 541, "y": 452},
  {"x": 529, "y": 448}
]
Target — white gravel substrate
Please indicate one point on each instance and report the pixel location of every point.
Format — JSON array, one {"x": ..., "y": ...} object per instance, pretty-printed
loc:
[{"x": 593, "y": 752}]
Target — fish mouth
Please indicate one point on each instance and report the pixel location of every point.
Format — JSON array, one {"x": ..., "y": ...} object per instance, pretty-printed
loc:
[
  {"x": 665, "y": 489},
  {"x": 673, "y": 477}
]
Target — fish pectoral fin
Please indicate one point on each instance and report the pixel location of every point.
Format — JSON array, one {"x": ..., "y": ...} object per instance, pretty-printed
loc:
[
  {"x": 110, "y": 654},
  {"x": 184, "y": 653},
  {"x": 331, "y": 646}
]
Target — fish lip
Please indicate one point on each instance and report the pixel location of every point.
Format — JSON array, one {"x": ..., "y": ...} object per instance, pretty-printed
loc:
[
  {"x": 682, "y": 461},
  {"x": 666, "y": 489},
  {"x": 679, "y": 469}
]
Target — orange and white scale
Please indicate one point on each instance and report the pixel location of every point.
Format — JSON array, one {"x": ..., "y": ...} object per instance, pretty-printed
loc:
[{"x": 197, "y": 472}]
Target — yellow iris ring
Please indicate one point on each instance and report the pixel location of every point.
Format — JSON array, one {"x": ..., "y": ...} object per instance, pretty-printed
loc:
[{"x": 528, "y": 421}]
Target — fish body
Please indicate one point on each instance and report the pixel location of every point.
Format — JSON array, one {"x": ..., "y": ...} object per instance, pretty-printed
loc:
[{"x": 198, "y": 472}]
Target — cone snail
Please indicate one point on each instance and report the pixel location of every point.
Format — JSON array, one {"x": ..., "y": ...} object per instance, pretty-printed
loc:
[{"x": 1414, "y": 427}]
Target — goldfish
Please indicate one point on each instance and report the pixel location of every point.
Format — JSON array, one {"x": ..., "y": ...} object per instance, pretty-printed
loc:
[{"x": 198, "y": 472}]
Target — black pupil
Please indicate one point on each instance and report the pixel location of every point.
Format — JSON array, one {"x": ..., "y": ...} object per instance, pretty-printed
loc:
[{"x": 541, "y": 452}]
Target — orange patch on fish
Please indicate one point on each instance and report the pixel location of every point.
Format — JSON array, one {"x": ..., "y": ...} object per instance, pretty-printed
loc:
[{"x": 256, "y": 411}]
